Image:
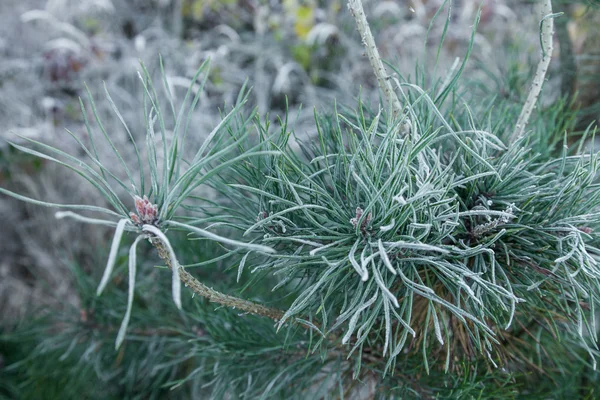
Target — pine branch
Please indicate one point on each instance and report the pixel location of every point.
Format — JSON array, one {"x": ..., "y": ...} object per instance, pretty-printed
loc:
[
  {"x": 546, "y": 32},
  {"x": 383, "y": 79},
  {"x": 212, "y": 295}
]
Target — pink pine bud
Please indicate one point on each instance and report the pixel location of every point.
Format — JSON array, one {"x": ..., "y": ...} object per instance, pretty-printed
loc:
[
  {"x": 146, "y": 211},
  {"x": 365, "y": 222},
  {"x": 359, "y": 213},
  {"x": 135, "y": 219}
]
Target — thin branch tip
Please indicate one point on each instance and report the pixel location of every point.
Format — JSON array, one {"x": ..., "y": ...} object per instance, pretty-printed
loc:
[
  {"x": 546, "y": 43},
  {"x": 383, "y": 78}
]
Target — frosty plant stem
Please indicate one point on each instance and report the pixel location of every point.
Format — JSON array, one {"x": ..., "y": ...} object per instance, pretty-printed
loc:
[
  {"x": 546, "y": 32},
  {"x": 212, "y": 295},
  {"x": 383, "y": 78}
]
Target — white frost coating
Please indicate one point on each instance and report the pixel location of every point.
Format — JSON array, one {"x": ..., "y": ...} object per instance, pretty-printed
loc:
[
  {"x": 321, "y": 248},
  {"x": 571, "y": 252},
  {"x": 382, "y": 286},
  {"x": 81, "y": 218},
  {"x": 416, "y": 246},
  {"x": 354, "y": 319},
  {"x": 217, "y": 238},
  {"x": 513, "y": 309},
  {"x": 389, "y": 227},
  {"x": 436, "y": 326},
  {"x": 388, "y": 324},
  {"x": 385, "y": 258},
  {"x": 175, "y": 283},
  {"x": 400, "y": 199},
  {"x": 241, "y": 266},
  {"x": 426, "y": 227},
  {"x": 363, "y": 272},
  {"x": 112, "y": 256},
  {"x": 132, "y": 268}
]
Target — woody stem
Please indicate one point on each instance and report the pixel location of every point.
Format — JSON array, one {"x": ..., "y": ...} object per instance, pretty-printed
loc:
[
  {"x": 214, "y": 296},
  {"x": 383, "y": 79},
  {"x": 546, "y": 33}
]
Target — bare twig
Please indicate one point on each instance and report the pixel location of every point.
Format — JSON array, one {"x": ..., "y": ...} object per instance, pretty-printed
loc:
[
  {"x": 383, "y": 79},
  {"x": 212, "y": 295},
  {"x": 546, "y": 32}
]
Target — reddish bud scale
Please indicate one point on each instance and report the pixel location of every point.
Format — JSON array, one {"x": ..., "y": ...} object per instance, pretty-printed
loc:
[
  {"x": 146, "y": 211},
  {"x": 365, "y": 222}
]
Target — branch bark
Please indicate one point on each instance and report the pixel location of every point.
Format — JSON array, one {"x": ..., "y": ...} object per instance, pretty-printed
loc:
[
  {"x": 547, "y": 31},
  {"x": 212, "y": 295},
  {"x": 383, "y": 79}
]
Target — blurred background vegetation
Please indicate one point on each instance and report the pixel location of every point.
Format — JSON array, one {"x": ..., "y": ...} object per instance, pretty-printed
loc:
[{"x": 301, "y": 54}]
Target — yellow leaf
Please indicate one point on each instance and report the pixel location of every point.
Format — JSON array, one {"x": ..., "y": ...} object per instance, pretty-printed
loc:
[{"x": 305, "y": 19}]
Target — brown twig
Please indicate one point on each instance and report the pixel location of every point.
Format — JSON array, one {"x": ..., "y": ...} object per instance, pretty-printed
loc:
[
  {"x": 547, "y": 30},
  {"x": 383, "y": 78},
  {"x": 214, "y": 296}
]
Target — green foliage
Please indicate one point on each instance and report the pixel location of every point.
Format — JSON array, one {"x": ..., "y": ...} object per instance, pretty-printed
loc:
[
  {"x": 444, "y": 263},
  {"x": 443, "y": 239},
  {"x": 199, "y": 352}
]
